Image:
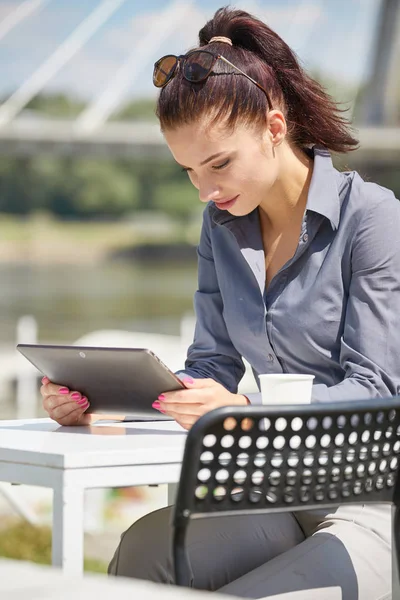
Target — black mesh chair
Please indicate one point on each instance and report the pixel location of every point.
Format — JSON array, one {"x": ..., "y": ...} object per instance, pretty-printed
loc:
[{"x": 262, "y": 459}]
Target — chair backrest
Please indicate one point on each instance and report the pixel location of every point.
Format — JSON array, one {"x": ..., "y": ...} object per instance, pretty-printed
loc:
[{"x": 275, "y": 458}]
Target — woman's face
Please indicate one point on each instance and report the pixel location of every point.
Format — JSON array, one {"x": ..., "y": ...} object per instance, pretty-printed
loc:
[{"x": 236, "y": 170}]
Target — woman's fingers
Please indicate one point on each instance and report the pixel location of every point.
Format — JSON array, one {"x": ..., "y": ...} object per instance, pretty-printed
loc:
[
  {"x": 65, "y": 403},
  {"x": 53, "y": 389},
  {"x": 53, "y": 400},
  {"x": 186, "y": 422},
  {"x": 59, "y": 407},
  {"x": 193, "y": 396},
  {"x": 185, "y": 418},
  {"x": 172, "y": 409},
  {"x": 86, "y": 419},
  {"x": 64, "y": 406},
  {"x": 65, "y": 417}
]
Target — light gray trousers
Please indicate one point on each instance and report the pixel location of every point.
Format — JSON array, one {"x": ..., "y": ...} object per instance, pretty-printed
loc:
[{"x": 340, "y": 555}]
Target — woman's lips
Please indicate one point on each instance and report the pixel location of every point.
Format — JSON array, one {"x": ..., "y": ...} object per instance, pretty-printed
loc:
[{"x": 226, "y": 204}]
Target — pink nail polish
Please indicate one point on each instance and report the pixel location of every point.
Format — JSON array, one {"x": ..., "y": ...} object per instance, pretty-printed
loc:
[
  {"x": 76, "y": 396},
  {"x": 188, "y": 380},
  {"x": 63, "y": 390},
  {"x": 82, "y": 401},
  {"x": 161, "y": 397},
  {"x": 156, "y": 404},
  {"x": 45, "y": 380}
]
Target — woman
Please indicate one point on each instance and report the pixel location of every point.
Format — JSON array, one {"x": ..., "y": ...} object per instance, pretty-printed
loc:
[{"x": 298, "y": 272}]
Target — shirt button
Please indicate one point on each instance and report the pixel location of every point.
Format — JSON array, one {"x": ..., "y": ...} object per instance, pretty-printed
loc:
[
  {"x": 271, "y": 357},
  {"x": 305, "y": 238}
]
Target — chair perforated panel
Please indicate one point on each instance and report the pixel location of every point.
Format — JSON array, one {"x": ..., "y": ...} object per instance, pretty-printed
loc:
[{"x": 285, "y": 458}]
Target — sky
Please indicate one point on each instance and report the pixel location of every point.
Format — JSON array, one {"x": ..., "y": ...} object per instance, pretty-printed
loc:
[{"x": 334, "y": 36}]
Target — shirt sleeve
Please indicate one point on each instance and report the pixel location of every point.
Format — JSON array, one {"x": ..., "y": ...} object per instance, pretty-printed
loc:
[
  {"x": 212, "y": 354},
  {"x": 370, "y": 355}
]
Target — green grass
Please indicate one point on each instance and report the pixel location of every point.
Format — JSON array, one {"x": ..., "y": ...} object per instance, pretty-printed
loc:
[
  {"x": 43, "y": 240},
  {"x": 106, "y": 234},
  {"x": 15, "y": 229},
  {"x": 22, "y": 541}
]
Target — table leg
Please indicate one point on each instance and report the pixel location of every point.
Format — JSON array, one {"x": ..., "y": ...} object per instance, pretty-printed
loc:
[{"x": 67, "y": 545}]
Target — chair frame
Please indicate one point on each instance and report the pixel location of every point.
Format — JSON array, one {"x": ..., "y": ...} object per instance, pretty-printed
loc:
[{"x": 363, "y": 489}]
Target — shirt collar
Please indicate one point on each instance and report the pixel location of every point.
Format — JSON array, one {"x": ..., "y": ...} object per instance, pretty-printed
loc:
[
  {"x": 323, "y": 196},
  {"x": 326, "y": 183}
]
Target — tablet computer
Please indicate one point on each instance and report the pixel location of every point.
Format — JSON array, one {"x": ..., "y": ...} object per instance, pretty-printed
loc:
[{"x": 115, "y": 380}]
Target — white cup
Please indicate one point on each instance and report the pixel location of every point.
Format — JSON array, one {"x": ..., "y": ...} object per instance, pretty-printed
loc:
[{"x": 286, "y": 388}]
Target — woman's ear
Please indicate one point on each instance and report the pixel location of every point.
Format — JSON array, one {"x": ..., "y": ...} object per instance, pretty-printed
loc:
[{"x": 276, "y": 126}]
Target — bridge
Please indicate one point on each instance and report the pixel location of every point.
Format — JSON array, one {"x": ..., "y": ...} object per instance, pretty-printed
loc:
[{"x": 24, "y": 132}]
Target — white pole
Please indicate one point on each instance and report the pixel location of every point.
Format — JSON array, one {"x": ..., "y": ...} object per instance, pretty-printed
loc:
[
  {"x": 27, "y": 333},
  {"x": 23, "y": 11},
  {"x": 166, "y": 23},
  {"x": 78, "y": 38}
]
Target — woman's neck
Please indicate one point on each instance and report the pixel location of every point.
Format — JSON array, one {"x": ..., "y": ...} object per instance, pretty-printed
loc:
[{"x": 286, "y": 201}]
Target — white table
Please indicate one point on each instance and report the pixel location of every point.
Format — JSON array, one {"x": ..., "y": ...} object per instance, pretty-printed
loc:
[{"x": 71, "y": 459}]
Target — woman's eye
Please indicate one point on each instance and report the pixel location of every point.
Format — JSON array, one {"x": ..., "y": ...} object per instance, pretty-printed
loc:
[{"x": 217, "y": 167}]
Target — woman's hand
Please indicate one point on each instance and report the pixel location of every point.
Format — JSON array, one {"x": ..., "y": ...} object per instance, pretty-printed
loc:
[
  {"x": 63, "y": 406},
  {"x": 201, "y": 396}
]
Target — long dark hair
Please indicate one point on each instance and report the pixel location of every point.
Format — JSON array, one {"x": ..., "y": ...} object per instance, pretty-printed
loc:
[{"x": 311, "y": 114}]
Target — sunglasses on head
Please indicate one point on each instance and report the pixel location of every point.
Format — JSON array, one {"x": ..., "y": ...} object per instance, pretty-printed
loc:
[{"x": 196, "y": 67}]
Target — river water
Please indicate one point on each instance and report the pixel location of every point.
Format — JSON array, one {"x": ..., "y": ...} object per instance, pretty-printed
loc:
[{"x": 69, "y": 301}]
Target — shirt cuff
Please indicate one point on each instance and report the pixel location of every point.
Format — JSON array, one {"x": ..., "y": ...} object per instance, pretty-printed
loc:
[
  {"x": 182, "y": 374},
  {"x": 253, "y": 398}
]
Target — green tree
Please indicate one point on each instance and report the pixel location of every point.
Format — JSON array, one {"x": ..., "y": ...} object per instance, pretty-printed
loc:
[
  {"x": 57, "y": 185},
  {"x": 19, "y": 185},
  {"x": 70, "y": 187},
  {"x": 143, "y": 109},
  {"x": 56, "y": 105},
  {"x": 85, "y": 187},
  {"x": 150, "y": 174},
  {"x": 177, "y": 198},
  {"x": 103, "y": 188}
]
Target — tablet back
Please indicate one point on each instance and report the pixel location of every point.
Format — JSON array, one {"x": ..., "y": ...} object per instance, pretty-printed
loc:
[{"x": 115, "y": 380}]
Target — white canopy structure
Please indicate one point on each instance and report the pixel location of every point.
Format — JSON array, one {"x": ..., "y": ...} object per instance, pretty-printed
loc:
[{"x": 92, "y": 132}]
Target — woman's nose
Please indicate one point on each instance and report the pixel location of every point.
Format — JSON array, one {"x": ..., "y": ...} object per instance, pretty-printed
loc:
[{"x": 208, "y": 193}]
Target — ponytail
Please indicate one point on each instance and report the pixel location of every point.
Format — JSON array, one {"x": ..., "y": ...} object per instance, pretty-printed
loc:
[{"x": 312, "y": 115}]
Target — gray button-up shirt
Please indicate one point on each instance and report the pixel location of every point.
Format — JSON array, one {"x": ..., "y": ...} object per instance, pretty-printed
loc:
[{"x": 333, "y": 310}]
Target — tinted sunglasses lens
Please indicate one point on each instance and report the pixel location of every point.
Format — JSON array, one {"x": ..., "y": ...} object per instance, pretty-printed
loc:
[
  {"x": 163, "y": 69},
  {"x": 198, "y": 65}
]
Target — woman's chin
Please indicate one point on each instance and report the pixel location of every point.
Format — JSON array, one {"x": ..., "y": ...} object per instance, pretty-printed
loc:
[{"x": 240, "y": 210}]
